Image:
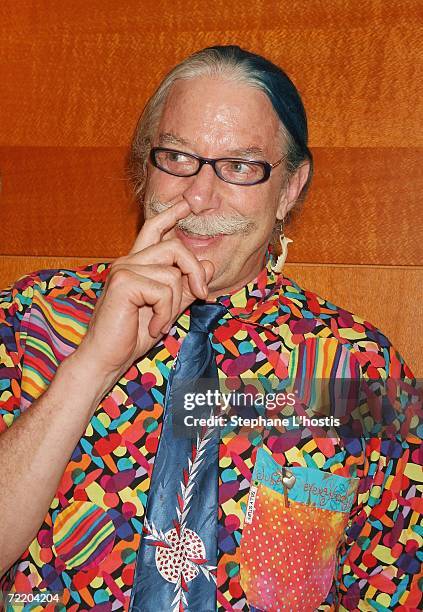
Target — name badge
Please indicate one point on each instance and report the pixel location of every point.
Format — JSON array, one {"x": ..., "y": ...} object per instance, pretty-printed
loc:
[{"x": 250, "y": 505}]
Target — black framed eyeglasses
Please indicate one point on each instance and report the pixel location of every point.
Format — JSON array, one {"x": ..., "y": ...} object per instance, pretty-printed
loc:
[{"x": 230, "y": 169}]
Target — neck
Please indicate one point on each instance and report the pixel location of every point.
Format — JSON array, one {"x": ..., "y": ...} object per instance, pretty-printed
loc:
[{"x": 218, "y": 290}]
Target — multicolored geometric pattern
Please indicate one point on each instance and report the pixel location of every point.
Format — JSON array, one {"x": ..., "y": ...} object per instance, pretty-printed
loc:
[
  {"x": 83, "y": 535},
  {"x": 274, "y": 333}
]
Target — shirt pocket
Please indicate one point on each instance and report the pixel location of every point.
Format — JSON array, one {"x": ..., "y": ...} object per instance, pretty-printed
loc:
[{"x": 291, "y": 535}]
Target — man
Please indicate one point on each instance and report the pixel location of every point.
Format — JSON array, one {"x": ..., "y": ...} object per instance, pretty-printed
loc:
[{"x": 102, "y": 501}]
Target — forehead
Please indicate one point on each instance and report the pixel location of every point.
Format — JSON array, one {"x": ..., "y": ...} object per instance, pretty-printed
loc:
[{"x": 216, "y": 114}]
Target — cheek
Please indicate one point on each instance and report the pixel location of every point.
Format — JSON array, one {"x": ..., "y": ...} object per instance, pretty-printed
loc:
[
  {"x": 164, "y": 186},
  {"x": 261, "y": 206}
]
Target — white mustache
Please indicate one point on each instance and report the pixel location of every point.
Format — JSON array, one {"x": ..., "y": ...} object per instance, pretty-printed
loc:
[{"x": 207, "y": 225}]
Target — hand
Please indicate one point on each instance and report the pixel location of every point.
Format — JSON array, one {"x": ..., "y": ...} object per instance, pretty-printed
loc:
[{"x": 144, "y": 294}]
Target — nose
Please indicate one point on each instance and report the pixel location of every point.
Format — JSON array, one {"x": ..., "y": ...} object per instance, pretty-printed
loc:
[{"x": 202, "y": 192}]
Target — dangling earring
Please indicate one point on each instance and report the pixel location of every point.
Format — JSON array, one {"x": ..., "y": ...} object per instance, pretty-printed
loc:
[{"x": 284, "y": 241}]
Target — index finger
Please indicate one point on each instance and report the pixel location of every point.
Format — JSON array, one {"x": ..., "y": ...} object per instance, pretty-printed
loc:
[{"x": 153, "y": 229}]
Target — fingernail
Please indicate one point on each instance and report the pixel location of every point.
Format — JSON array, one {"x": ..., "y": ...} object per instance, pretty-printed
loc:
[
  {"x": 205, "y": 291},
  {"x": 166, "y": 329}
]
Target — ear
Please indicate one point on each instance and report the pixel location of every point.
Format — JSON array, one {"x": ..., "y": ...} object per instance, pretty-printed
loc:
[{"x": 292, "y": 189}]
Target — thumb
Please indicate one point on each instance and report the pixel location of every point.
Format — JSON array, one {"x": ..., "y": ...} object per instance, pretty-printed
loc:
[
  {"x": 187, "y": 297},
  {"x": 208, "y": 269}
]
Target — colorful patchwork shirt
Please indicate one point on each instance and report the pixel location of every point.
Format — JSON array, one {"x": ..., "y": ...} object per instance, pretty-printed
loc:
[{"x": 305, "y": 522}]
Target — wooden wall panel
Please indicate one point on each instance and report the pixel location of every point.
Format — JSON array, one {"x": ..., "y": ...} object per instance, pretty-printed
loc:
[
  {"x": 364, "y": 205},
  {"x": 75, "y": 76},
  {"x": 66, "y": 201},
  {"x": 84, "y": 69}
]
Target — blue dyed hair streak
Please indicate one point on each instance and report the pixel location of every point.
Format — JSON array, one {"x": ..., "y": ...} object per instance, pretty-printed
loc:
[{"x": 278, "y": 87}]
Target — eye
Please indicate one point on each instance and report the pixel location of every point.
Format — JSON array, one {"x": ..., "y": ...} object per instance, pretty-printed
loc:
[
  {"x": 176, "y": 162},
  {"x": 176, "y": 156},
  {"x": 238, "y": 167},
  {"x": 238, "y": 171}
]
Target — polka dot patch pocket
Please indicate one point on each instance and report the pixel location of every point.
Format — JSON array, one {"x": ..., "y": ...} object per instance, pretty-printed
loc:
[{"x": 294, "y": 521}]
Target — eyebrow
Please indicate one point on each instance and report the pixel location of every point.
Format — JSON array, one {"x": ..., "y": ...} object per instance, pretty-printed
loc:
[
  {"x": 173, "y": 139},
  {"x": 250, "y": 152}
]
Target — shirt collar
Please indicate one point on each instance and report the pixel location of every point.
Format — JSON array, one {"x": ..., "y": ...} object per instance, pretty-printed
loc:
[
  {"x": 250, "y": 301},
  {"x": 259, "y": 296},
  {"x": 256, "y": 303}
]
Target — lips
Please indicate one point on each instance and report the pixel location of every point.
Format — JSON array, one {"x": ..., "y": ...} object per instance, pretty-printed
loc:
[
  {"x": 198, "y": 236},
  {"x": 198, "y": 240}
]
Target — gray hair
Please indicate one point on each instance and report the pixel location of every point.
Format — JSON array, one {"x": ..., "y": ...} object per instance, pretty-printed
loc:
[{"x": 237, "y": 65}]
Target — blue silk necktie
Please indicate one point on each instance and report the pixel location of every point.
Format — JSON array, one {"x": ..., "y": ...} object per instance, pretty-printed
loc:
[{"x": 176, "y": 562}]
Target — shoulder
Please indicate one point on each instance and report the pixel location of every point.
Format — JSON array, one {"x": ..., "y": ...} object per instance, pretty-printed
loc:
[
  {"x": 328, "y": 343},
  {"x": 43, "y": 317},
  {"x": 305, "y": 315},
  {"x": 81, "y": 280},
  {"x": 50, "y": 295},
  {"x": 84, "y": 283}
]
